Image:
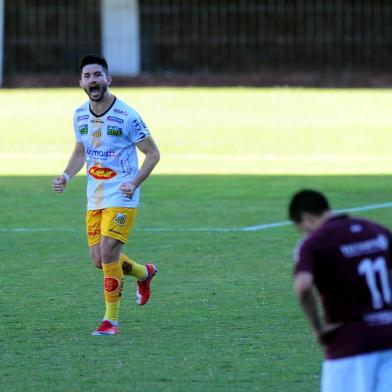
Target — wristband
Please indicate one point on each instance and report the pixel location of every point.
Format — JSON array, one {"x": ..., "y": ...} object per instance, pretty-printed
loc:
[{"x": 67, "y": 178}]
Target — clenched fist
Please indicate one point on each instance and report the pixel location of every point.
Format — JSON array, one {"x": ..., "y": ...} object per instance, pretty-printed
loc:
[
  {"x": 59, "y": 183},
  {"x": 127, "y": 189}
]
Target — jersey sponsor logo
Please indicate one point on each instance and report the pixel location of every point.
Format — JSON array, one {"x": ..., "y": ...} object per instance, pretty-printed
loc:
[
  {"x": 80, "y": 110},
  {"x": 97, "y": 121},
  {"x": 111, "y": 284},
  {"x": 374, "y": 245},
  {"x": 83, "y": 129},
  {"x": 101, "y": 173},
  {"x": 113, "y": 130},
  {"x": 123, "y": 112},
  {"x": 82, "y": 118},
  {"x": 115, "y": 119},
  {"x": 120, "y": 219},
  {"x": 100, "y": 153}
]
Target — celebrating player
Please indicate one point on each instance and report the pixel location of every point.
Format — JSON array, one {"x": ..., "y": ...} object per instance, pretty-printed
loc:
[
  {"x": 348, "y": 261},
  {"x": 107, "y": 133}
]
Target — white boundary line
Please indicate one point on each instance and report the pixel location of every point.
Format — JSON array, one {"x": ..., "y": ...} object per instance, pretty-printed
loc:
[{"x": 261, "y": 227}]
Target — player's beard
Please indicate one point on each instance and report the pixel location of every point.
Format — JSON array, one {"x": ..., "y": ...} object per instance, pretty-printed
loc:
[{"x": 91, "y": 92}]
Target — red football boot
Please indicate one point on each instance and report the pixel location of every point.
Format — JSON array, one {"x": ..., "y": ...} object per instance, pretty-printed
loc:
[
  {"x": 106, "y": 328},
  {"x": 143, "y": 286}
]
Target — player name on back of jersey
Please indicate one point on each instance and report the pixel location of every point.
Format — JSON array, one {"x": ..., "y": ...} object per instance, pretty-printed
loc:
[{"x": 377, "y": 244}]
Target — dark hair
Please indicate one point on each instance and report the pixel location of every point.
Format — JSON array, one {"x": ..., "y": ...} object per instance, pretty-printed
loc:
[
  {"x": 93, "y": 59},
  {"x": 309, "y": 201}
]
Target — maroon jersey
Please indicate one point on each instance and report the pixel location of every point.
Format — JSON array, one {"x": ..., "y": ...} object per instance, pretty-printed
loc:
[{"x": 350, "y": 260}]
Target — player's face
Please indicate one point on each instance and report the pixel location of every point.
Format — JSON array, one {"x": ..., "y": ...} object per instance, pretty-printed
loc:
[
  {"x": 94, "y": 81},
  {"x": 309, "y": 223}
]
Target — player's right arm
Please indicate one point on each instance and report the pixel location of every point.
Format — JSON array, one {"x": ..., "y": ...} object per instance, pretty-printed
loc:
[{"x": 75, "y": 163}]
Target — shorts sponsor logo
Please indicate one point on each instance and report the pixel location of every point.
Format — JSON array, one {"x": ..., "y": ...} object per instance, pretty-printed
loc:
[
  {"x": 113, "y": 130},
  {"x": 120, "y": 219},
  {"x": 82, "y": 118},
  {"x": 111, "y": 284},
  {"x": 83, "y": 129},
  {"x": 94, "y": 233},
  {"x": 118, "y": 111},
  {"x": 115, "y": 119},
  {"x": 100, "y": 153},
  {"x": 101, "y": 173}
]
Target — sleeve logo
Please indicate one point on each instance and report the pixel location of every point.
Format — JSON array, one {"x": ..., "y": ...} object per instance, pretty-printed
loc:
[{"x": 101, "y": 173}]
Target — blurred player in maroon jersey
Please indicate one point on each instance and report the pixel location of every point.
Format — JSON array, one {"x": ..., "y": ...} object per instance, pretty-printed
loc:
[{"x": 348, "y": 262}]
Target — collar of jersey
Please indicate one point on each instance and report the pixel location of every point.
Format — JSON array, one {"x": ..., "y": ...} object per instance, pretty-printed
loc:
[{"x": 106, "y": 111}]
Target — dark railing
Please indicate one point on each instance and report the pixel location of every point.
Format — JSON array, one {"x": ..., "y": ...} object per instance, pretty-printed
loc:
[
  {"x": 208, "y": 36},
  {"x": 49, "y": 35},
  {"x": 254, "y": 35}
]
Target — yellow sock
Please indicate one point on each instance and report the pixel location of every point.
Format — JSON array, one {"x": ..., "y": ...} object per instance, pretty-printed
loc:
[
  {"x": 132, "y": 268},
  {"x": 113, "y": 282}
]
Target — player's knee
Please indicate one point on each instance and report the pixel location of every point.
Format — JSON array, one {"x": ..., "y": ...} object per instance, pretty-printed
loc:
[{"x": 108, "y": 254}]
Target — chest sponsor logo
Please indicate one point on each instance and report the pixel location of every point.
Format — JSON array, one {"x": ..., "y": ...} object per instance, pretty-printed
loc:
[
  {"x": 118, "y": 111},
  {"x": 80, "y": 110},
  {"x": 113, "y": 130},
  {"x": 111, "y": 284},
  {"x": 120, "y": 219},
  {"x": 83, "y": 129},
  {"x": 115, "y": 119},
  {"x": 82, "y": 118},
  {"x": 96, "y": 121},
  {"x": 101, "y": 173},
  {"x": 100, "y": 153}
]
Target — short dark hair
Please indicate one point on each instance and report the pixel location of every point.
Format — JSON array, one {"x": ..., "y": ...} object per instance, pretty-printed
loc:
[
  {"x": 93, "y": 59},
  {"x": 307, "y": 201}
]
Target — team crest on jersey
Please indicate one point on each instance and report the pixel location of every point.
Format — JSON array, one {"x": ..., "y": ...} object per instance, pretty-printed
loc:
[
  {"x": 113, "y": 130},
  {"x": 97, "y": 134},
  {"x": 120, "y": 219},
  {"x": 111, "y": 284},
  {"x": 83, "y": 129},
  {"x": 101, "y": 173}
]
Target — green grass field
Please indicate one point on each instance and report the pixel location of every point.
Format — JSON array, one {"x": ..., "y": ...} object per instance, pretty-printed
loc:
[{"x": 222, "y": 316}]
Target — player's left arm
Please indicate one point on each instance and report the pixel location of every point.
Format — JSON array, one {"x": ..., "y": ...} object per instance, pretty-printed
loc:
[
  {"x": 149, "y": 148},
  {"x": 306, "y": 292}
]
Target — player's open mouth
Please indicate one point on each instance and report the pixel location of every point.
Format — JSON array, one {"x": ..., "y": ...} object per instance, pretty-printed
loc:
[{"x": 94, "y": 90}]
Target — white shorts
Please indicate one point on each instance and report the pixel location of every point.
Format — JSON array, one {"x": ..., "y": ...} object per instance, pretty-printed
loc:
[{"x": 361, "y": 373}]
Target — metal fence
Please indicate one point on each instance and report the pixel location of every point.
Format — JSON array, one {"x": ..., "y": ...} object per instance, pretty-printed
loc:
[
  {"x": 200, "y": 36},
  {"x": 49, "y": 35},
  {"x": 254, "y": 35}
]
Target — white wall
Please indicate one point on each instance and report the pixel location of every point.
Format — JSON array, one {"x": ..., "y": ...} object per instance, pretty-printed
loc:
[
  {"x": 120, "y": 36},
  {"x": 1, "y": 40}
]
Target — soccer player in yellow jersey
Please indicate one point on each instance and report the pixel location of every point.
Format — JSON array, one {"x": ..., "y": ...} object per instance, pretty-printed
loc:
[{"x": 107, "y": 133}]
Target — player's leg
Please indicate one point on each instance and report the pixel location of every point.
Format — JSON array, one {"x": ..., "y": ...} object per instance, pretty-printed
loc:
[
  {"x": 118, "y": 223},
  {"x": 384, "y": 372},
  {"x": 356, "y": 373}
]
